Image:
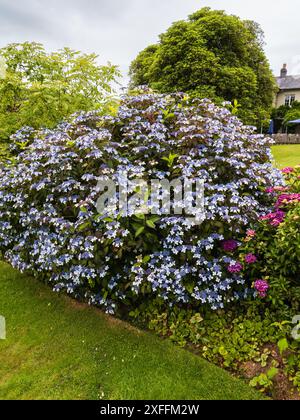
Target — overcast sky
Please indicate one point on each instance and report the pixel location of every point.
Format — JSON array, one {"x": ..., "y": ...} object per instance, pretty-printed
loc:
[{"x": 118, "y": 29}]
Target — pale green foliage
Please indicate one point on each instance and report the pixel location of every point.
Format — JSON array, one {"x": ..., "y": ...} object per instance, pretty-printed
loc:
[{"x": 40, "y": 89}]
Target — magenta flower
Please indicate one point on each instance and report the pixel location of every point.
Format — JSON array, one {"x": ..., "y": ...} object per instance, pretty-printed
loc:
[
  {"x": 250, "y": 259},
  {"x": 287, "y": 170},
  {"x": 261, "y": 286},
  {"x": 235, "y": 268},
  {"x": 230, "y": 245}
]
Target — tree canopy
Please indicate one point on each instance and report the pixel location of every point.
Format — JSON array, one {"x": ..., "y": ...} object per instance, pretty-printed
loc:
[
  {"x": 40, "y": 89},
  {"x": 212, "y": 55}
]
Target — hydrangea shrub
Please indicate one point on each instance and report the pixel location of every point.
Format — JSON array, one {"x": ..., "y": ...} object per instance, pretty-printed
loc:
[{"x": 49, "y": 224}]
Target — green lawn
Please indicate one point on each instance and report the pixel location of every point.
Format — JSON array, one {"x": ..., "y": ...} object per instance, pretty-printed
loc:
[
  {"x": 287, "y": 155},
  {"x": 59, "y": 349}
]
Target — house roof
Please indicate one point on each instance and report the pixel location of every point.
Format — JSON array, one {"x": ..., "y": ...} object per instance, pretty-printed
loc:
[{"x": 288, "y": 82}]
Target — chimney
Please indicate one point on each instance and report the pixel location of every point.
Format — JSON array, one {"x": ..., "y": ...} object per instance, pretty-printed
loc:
[{"x": 283, "y": 72}]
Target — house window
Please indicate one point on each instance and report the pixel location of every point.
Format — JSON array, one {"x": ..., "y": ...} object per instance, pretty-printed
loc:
[{"x": 289, "y": 100}]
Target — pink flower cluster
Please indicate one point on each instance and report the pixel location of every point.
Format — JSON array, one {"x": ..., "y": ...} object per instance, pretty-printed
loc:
[
  {"x": 235, "y": 268},
  {"x": 262, "y": 287},
  {"x": 271, "y": 190},
  {"x": 251, "y": 233},
  {"x": 287, "y": 199}
]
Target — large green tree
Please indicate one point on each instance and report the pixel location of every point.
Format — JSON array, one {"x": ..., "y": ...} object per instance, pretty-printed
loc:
[
  {"x": 211, "y": 55},
  {"x": 40, "y": 89}
]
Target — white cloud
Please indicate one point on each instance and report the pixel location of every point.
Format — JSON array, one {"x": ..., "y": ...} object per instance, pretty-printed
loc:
[{"x": 118, "y": 29}]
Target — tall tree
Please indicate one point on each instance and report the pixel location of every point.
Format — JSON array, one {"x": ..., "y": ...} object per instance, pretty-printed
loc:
[
  {"x": 38, "y": 89},
  {"x": 211, "y": 55}
]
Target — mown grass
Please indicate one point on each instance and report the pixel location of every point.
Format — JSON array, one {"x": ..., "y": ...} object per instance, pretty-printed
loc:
[
  {"x": 59, "y": 349},
  {"x": 286, "y": 155}
]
